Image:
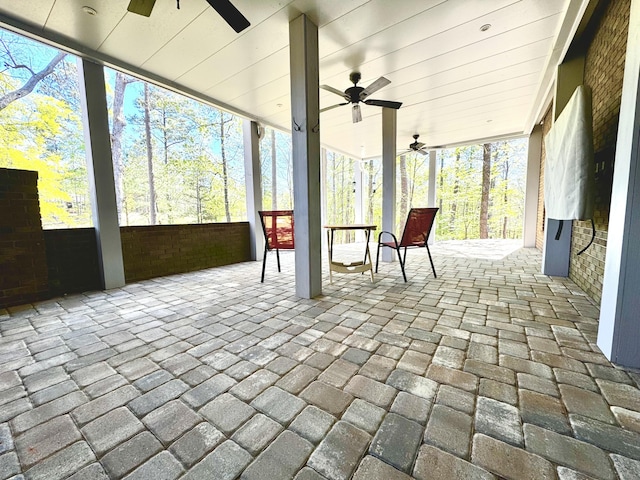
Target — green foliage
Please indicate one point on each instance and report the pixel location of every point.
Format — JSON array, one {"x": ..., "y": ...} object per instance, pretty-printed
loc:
[
  {"x": 459, "y": 190},
  {"x": 189, "y": 168},
  {"x": 43, "y": 132}
]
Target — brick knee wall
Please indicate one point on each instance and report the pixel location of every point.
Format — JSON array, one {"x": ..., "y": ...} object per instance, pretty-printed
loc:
[
  {"x": 23, "y": 263},
  {"x": 160, "y": 250},
  {"x": 72, "y": 260}
]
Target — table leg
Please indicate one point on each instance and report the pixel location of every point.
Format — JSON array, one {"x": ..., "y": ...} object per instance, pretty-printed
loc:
[
  {"x": 330, "y": 247},
  {"x": 367, "y": 253}
]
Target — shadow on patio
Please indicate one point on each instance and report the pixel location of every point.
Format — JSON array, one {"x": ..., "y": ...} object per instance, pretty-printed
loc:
[{"x": 490, "y": 369}]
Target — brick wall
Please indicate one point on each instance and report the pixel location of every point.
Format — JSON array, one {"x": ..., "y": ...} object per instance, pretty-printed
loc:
[
  {"x": 547, "y": 121},
  {"x": 155, "y": 251},
  {"x": 604, "y": 71},
  {"x": 72, "y": 260},
  {"x": 23, "y": 263}
]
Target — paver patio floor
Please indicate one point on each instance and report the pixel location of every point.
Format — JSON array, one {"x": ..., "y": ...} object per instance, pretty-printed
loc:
[{"x": 488, "y": 371}]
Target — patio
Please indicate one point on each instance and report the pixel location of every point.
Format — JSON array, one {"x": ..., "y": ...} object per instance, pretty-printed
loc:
[{"x": 490, "y": 370}]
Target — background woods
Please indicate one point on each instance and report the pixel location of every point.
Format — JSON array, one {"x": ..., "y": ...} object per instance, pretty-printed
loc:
[{"x": 180, "y": 161}]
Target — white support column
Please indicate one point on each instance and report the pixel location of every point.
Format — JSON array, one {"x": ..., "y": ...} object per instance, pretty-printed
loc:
[
  {"x": 556, "y": 252},
  {"x": 431, "y": 193},
  {"x": 619, "y": 327},
  {"x": 253, "y": 186},
  {"x": 532, "y": 187},
  {"x": 97, "y": 141},
  {"x": 323, "y": 194},
  {"x": 305, "y": 133},
  {"x": 389, "y": 128},
  {"x": 359, "y": 203}
]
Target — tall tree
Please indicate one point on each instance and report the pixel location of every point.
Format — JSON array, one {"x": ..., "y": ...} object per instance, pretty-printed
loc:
[
  {"x": 274, "y": 172},
  {"x": 117, "y": 131},
  {"x": 456, "y": 187},
  {"x": 404, "y": 191},
  {"x": 223, "y": 157},
  {"x": 505, "y": 198},
  {"x": 486, "y": 186},
  {"x": 149, "y": 147}
]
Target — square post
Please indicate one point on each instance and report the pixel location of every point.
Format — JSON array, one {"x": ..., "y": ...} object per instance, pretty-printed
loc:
[
  {"x": 389, "y": 128},
  {"x": 97, "y": 141},
  {"x": 305, "y": 133},
  {"x": 253, "y": 185}
]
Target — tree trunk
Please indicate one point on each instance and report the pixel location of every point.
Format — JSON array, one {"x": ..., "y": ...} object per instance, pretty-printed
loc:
[
  {"x": 274, "y": 172},
  {"x": 506, "y": 198},
  {"x": 404, "y": 191},
  {"x": 30, "y": 84},
  {"x": 456, "y": 187},
  {"x": 486, "y": 186},
  {"x": 441, "y": 182},
  {"x": 371, "y": 192},
  {"x": 147, "y": 131},
  {"x": 225, "y": 178},
  {"x": 119, "y": 123}
]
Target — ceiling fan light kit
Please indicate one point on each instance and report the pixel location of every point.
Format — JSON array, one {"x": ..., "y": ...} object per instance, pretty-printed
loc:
[
  {"x": 225, "y": 9},
  {"x": 356, "y": 94}
]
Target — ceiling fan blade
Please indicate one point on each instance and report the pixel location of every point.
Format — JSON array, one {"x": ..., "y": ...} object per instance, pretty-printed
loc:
[
  {"x": 333, "y": 106},
  {"x": 141, "y": 7},
  {"x": 334, "y": 90},
  {"x": 419, "y": 145},
  {"x": 422, "y": 152},
  {"x": 231, "y": 14},
  {"x": 383, "y": 103},
  {"x": 374, "y": 87},
  {"x": 356, "y": 114}
]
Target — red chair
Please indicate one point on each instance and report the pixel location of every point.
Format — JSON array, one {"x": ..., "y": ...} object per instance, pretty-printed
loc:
[
  {"x": 277, "y": 226},
  {"x": 416, "y": 233}
]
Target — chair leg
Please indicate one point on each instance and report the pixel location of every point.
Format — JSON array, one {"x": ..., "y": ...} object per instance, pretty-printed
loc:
[
  {"x": 278, "y": 256},
  {"x": 377, "y": 256},
  {"x": 404, "y": 275},
  {"x": 264, "y": 263},
  {"x": 431, "y": 260}
]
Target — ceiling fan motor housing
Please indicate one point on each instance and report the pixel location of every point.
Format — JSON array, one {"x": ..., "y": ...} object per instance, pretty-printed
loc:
[{"x": 354, "y": 93}]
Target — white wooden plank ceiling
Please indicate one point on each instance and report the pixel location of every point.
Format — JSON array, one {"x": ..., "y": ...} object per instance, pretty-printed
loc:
[{"x": 457, "y": 83}]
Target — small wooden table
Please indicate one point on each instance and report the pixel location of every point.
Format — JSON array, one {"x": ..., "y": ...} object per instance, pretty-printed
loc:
[{"x": 350, "y": 267}]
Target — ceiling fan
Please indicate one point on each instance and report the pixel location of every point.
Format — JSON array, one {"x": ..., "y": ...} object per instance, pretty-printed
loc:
[
  {"x": 416, "y": 146},
  {"x": 357, "y": 94},
  {"x": 225, "y": 8}
]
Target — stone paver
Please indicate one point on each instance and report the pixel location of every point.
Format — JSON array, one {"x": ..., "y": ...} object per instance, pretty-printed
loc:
[
  {"x": 434, "y": 464},
  {"x": 449, "y": 430},
  {"x": 227, "y": 413},
  {"x": 489, "y": 370},
  {"x": 508, "y": 461},
  {"x": 281, "y": 459},
  {"x": 163, "y": 466},
  {"x": 498, "y": 420},
  {"x": 130, "y": 454},
  {"x": 196, "y": 443},
  {"x": 396, "y": 442},
  {"x": 339, "y": 453},
  {"x": 257, "y": 433},
  {"x": 373, "y": 469},
  {"x": 224, "y": 463},
  {"x": 171, "y": 420},
  {"x": 313, "y": 423},
  {"x": 278, "y": 404},
  {"x": 567, "y": 451},
  {"x": 111, "y": 429}
]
